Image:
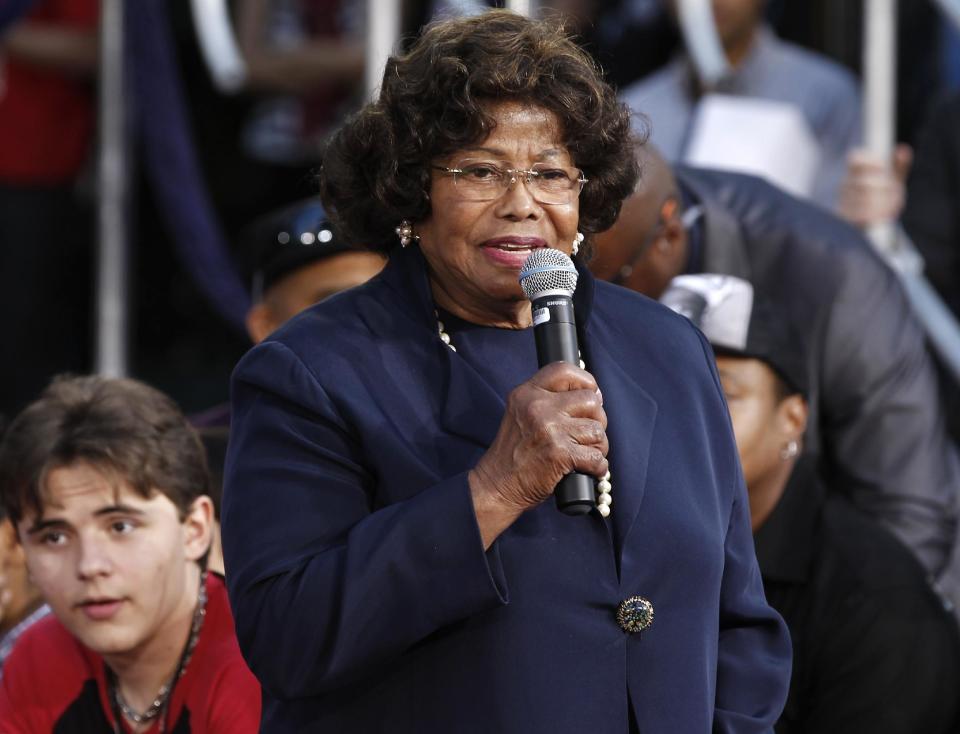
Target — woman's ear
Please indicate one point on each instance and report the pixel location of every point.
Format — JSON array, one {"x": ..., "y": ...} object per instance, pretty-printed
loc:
[{"x": 198, "y": 528}]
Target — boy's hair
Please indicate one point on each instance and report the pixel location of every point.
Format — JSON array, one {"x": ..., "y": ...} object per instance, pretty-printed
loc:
[{"x": 121, "y": 427}]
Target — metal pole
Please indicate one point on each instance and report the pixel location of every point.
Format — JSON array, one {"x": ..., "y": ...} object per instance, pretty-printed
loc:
[
  {"x": 218, "y": 44},
  {"x": 880, "y": 93},
  {"x": 880, "y": 79},
  {"x": 111, "y": 308},
  {"x": 383, "y": 30}
]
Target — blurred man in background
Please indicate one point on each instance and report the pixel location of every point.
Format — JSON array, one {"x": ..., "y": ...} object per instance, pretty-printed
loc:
[
  {"x": 764, "y": 67},
  {"x": 292, "y": 260},
  {"x": 296, "y": 260},
  {"x": 876, "y": 421},
  {"x": 875, "y": 652}
]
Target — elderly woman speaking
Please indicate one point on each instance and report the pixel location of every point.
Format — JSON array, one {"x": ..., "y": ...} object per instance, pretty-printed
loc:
[{"x": 392, "y": 560}]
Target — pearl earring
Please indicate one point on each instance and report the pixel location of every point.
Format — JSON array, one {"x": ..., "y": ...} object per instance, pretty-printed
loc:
[
  {"x": 789, "y": 451},
  {"x": 577, "y": 241},
  {"x": 405, "y": 233}
]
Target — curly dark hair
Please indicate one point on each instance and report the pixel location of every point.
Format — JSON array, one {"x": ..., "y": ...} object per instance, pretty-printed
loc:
[{"x": 433, "y": 101}]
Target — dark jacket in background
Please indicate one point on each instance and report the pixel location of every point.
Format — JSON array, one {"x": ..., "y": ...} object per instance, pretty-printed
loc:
[
  {"x": 932, "y": 219},
  {"x": 876, "y": 418},
  {"x": 932, "y": 213},
  {"x": 875, "y": 652}
]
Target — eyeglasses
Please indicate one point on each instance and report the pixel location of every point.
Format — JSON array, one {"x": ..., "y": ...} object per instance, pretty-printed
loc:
[{"x": 480, "y": 180}]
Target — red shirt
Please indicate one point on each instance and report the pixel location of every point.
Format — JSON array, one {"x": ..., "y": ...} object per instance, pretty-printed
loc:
[
  {"x": 53, "y": 683},
  {"x": 46, "y": 115}
]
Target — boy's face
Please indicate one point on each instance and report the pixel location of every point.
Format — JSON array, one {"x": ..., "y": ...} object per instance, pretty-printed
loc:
[{"x": 115, "y": 568}]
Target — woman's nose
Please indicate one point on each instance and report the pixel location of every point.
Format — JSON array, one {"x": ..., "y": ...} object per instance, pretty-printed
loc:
[{"x": 518, "y": 200}]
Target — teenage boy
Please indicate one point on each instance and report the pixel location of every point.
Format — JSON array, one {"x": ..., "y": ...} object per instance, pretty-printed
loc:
[{"x": 105, "y": 483}]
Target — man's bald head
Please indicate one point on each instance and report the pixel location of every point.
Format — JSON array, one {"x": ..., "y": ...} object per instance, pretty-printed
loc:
[
  {"x": 657, "y": 182},
  {"x": 646, "y": 246}
]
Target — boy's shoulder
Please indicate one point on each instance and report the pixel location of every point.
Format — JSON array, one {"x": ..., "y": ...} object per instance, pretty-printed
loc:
[{"x": 47, "y": 673}]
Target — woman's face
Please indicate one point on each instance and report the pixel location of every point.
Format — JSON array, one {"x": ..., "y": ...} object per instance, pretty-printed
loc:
[{"x": 475, "y": 249}]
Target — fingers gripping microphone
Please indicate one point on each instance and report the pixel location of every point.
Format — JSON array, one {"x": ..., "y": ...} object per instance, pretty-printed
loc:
[{"x": 548, "y": 279}]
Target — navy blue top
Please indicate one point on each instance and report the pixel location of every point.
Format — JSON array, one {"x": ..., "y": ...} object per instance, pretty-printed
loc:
[{"x": 504, "y": 358}]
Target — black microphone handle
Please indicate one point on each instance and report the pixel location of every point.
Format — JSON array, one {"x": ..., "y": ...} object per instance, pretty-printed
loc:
[{"x": 555, "y": 331}]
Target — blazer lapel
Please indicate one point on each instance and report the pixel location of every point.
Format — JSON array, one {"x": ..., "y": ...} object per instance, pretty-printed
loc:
[
  {"x": 631, "y": 415},
  {"x": 471, "y": 408}
]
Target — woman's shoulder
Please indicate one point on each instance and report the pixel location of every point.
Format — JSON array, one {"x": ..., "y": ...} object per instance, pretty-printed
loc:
[
  {"x": 337, "y": 317},
  {"x": 339, "y": 339}
]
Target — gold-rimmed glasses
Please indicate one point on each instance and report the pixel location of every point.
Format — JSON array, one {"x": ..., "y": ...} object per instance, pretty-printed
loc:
[{"x": 484, "y": 180}]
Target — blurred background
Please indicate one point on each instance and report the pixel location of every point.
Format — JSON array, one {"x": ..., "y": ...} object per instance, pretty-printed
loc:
[{"x": 194, "y": 136}]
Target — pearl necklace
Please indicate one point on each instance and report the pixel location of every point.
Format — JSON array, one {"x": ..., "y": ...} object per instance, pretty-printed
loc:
[{"x": 604, "y": 485}]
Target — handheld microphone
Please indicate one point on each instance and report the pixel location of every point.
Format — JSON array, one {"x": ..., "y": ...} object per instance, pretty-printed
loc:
[{"x": 548, "y": 279}]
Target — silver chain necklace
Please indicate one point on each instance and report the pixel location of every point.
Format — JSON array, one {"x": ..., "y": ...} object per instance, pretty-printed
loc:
[
  {"x": 604, "y": 485},
  {"x": 163, "y": 695}
]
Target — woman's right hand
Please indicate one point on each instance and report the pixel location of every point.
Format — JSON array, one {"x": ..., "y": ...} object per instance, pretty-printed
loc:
[{"x": 554, "y": 424}]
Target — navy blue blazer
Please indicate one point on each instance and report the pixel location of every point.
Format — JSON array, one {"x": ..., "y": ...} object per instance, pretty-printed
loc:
[{"x": 363, "y": 598}]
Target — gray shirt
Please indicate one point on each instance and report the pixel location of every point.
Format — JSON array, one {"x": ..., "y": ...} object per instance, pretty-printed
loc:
[{"x": 774, "y": 70}]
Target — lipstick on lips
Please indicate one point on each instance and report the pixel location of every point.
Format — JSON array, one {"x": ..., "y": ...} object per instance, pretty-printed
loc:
[
  {"x": 511, "y": 251},
  {"x": 100, "y": 609}
]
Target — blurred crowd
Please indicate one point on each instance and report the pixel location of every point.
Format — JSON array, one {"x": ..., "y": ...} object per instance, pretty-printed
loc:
[{"x": 753, "y": 218}]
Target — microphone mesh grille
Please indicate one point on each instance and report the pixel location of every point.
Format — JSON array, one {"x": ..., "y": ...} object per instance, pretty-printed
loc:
[{"x": 548, "y": 270}]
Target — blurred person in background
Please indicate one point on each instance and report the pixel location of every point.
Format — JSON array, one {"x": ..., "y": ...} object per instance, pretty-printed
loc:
[
  {"x": 875, "y": 652},
  {"x": 762, "y": 66},
  {"x": 931, "y": 218},
  {"x": 628, "y": 38},
  {"x": 292, "y": 258},
  {"x": 876, "y": 422},
  {"x": 21, "y": 605},
  {"x": 106, "y": 483},
  {"x": 296, "y": 259},
  {"x": 926, "y": 200},
  {"x": 48, "y": 60},
  {"x": 932, "y": 208},
  {"x": 305, "y": 61},
  {"x": 179, "y": 340}
]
